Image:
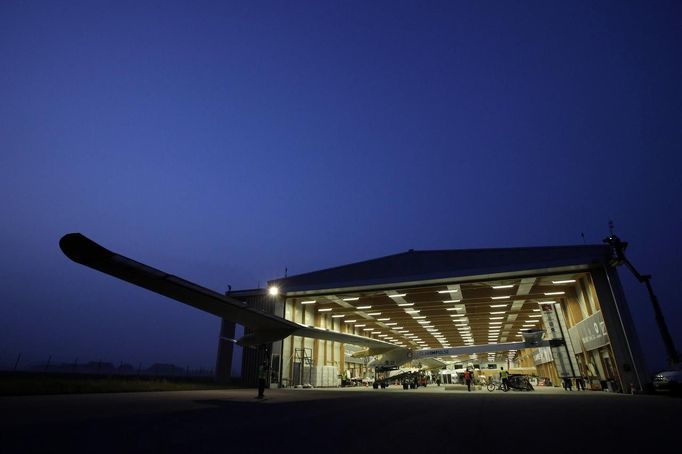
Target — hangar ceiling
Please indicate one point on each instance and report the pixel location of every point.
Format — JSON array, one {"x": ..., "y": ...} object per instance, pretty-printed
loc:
[{"x": 439, "y": 316}]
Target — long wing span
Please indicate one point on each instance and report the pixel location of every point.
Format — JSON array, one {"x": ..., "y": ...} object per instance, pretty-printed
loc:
[{"x": 266, "y": 327}]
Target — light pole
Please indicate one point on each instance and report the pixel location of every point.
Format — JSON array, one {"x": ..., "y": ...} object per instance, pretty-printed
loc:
[{"x": 618, "y": 258}]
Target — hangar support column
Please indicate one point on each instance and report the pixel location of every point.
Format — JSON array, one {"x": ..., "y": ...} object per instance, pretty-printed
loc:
[
  {"x": 623, "y": 338},
  {"x": 223, "y": 367}
]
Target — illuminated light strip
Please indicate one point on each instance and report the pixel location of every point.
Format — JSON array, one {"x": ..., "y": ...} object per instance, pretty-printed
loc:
[
  {"x": 498, "y": 312},
  {"x": 502, "y": 297},
  {"x": 539, "y": 315},
  {"x": 499, "y": 305},
  {"x": 503, "y": 286},
  {"x": 352, "y": 299},
  {"x": 546, "y": 302},
  {"x": 373, "y": 313},
  {"x": 399, "y": 295},
  {"x": 391, "y": 324},
  {"x": 338, "y": 316},
  {"x": 496, "y": 318},
  {"x": 385, "y": 319},
  {"x": 554, "y": 293},
  {"x": 419, "y": 317},
  {"x": 405, "y": 304},
  {"x": 412, "y": 311},
  {"x": 325, "y": 310},
  {"x": 367, "y": 329},
  {"x": 349, "y": 321},
  {"x": 359, "y": 326},
  {"x": 566, "y": 281},
  {"x": 364, "y": 307},
  {"x": 452, "y": 301},
  {"x": 458, "y": 315},
  {"x": 448, "y": 291},
  {"x": 308, "y": 302}
]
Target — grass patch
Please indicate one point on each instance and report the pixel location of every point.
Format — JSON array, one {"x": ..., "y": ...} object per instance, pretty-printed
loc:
[{"x": 21, "y": 385}]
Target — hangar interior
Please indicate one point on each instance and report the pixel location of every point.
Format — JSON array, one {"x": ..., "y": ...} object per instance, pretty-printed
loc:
[{"x": 442, "y": 299}]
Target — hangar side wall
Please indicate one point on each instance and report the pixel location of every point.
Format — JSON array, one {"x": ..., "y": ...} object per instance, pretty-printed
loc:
[{"x": 624, "y": 342}]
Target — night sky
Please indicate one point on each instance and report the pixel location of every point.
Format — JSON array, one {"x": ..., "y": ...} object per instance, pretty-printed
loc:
[{"x": 225, "y": 141}]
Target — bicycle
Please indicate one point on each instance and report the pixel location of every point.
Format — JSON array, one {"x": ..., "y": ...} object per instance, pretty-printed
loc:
[{"x": 497, "y": 386}]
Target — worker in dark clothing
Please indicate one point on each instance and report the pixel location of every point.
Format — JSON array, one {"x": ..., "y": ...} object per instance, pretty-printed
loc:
[{"x": 262, "y": 376}]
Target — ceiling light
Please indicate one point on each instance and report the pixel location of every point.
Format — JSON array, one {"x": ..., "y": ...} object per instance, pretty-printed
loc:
[
  {"x": 373, "y": 313},
  {"x": 364, "y": 307},
  {"x": 452, "y": 301},
  {"x": 352, "y": 299},
  {"x": 448, "y": 291},
  {"x": 537, "y": 310},
  {"x": 405, "y": 304},
  {"x": 498, "y": 312},
  {"x": 338, "y": 316},
  {"x": 503, "y": 286},
  {"x": 424, "y": 322},
  {"x": 398, "y": 295},
  {"x": 457, "y": 315},
  {"x": 501, "y": 297},
  {"x": 499, "y": 305},
  {"x": 308, "y": 302},
  {"x": 554, "y": 293},
  {"x": 565, "y": 281},
  {"x": 325, "y": 310},
  {"x": 367, "y": 329},
  {"x": 359, "y": 326},
  {"x": 391, "y": 324},
  {"x": 349, "y": 321},
  {"x": 539, "y": 315},
  {"x": 529, "y": 326},
  {"x": 376, "y": 332},
  {"x": 496, "y": 318},
  {"x": 419, "y": 317},
  {"x": 412, "y": 312},
  {"x": 385, "y": 319}
]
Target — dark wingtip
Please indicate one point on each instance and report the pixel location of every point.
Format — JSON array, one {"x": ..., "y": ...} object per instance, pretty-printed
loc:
[{"x": 81, "y": 249}]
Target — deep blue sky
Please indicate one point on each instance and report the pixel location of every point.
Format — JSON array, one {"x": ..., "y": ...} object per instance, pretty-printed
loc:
[{"x": 225, "y": 141}]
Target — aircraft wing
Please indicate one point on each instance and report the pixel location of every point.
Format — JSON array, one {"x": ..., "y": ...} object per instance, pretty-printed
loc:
[
  {"x": 431, "y": 363},
  {"x": 266, "y": 327}
]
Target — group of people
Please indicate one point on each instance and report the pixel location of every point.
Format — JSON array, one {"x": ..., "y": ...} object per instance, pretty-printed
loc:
[
  {"x": 469, "y": 378},
  {"x": 579, "y": 384}
]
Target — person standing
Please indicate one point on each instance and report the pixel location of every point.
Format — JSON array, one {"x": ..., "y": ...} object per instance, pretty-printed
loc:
[
  {"x": 504, "y": 375},
  {"x": 262, "y": 376},
  {"x": 467, "y": 378}
]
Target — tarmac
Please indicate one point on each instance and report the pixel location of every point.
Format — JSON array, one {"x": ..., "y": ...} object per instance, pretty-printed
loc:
[{"x": 349, "y": 420}]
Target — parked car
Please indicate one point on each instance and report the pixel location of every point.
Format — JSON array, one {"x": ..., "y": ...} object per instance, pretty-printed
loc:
[{"x": 668, "y": 380}]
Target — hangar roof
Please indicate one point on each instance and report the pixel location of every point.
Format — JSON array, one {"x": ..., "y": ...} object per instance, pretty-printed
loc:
[{"x": 433, "y": 265}]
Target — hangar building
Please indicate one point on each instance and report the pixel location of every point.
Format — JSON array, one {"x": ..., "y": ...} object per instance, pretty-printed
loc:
[{"x": 452, "y": 298}]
